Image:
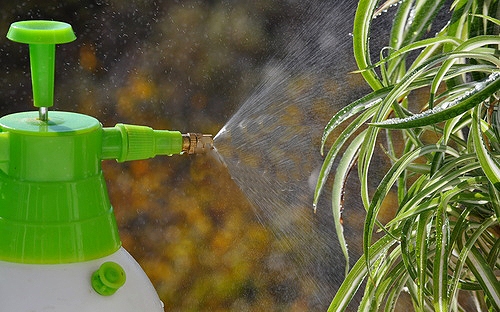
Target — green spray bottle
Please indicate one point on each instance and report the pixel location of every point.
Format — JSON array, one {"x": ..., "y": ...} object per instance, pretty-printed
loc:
[{"x": 59, "y": 243}]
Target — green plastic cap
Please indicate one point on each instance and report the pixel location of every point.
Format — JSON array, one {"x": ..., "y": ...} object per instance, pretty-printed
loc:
[
  {"x": 108, "y": 278},
  {"x": 42, "y": 36}
]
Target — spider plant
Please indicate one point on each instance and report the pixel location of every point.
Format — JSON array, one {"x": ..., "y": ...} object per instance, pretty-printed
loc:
[{"x": 443, "y": 147}]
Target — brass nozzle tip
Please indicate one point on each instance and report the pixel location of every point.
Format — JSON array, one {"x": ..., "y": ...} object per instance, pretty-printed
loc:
[{"x": 196, "y": 143}]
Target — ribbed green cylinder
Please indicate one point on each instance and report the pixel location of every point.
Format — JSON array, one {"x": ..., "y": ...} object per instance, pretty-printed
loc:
[{"x": 54, "y": 205}]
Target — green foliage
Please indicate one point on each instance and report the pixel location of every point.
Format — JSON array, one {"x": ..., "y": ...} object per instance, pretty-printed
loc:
[{"x": 442, "y": 244}]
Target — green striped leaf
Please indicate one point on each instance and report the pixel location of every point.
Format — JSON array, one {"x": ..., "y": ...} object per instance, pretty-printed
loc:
[
  {"x": 489, "y": 164},
  {"x": 480, "y": 92}
]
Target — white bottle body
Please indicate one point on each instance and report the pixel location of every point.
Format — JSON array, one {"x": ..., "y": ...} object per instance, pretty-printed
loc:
[{"x": 67, "y": 287}]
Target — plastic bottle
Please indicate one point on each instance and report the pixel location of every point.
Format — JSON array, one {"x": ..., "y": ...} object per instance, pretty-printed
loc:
[{"x": 59, "y": 249}]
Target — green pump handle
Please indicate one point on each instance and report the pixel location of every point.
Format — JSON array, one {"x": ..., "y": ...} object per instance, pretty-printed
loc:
[{"x": 42, "y": 36}]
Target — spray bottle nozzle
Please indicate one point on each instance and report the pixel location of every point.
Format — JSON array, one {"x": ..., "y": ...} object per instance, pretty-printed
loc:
[
  {"x": 131, "y": 142},
  {"x": 196, "y": 143}
]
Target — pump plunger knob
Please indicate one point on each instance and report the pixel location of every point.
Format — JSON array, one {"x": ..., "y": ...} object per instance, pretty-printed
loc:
[{"x": 42, "y": 36}]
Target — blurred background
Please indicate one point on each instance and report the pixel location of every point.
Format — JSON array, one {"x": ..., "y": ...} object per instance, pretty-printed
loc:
[{"x": 178, "y": 65}]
